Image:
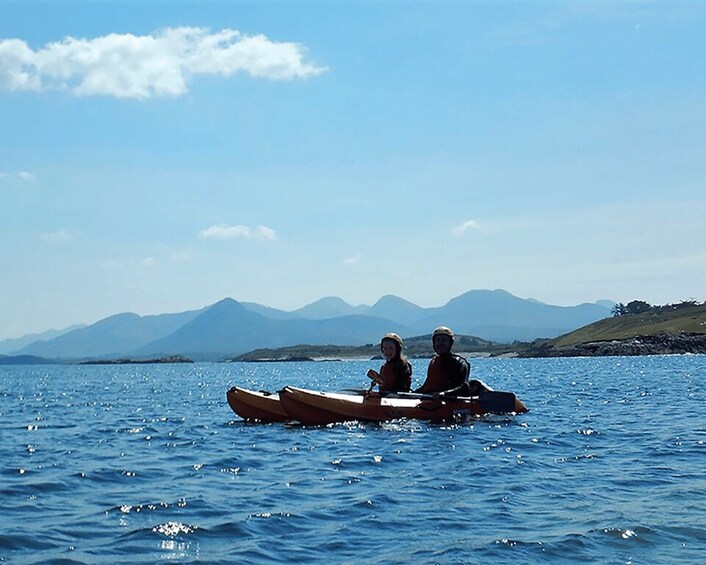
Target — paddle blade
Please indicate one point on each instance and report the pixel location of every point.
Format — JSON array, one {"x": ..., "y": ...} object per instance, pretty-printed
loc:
[
  {"x": 499, "y": 402},
  {"x": 374, "y": 376}
]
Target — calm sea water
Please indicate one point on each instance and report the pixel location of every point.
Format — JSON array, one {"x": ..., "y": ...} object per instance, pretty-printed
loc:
[{"x": 146, "y": 464}]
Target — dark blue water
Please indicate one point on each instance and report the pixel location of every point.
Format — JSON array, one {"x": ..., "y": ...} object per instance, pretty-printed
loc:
[{"x": 146, "y": 463}]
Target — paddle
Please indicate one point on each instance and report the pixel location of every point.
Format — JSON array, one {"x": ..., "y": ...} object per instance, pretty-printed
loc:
[
  {"x": 374, "y": 376},
  {"x": 494, "y": 401},
  {"x": 490, "y": 400}
]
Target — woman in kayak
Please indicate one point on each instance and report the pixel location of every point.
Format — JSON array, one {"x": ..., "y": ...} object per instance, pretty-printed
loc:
[
  {"x": 448, "y": 373},
  {"x": 396, "y": 374}
]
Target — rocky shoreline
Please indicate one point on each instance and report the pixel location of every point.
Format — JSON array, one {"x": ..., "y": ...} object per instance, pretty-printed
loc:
[{"x": 658, "y": 344}]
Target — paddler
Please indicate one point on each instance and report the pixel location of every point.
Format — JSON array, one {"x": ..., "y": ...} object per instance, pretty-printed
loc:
[
  {"x": 396, "y": 374},
  {"x": 448, "y": 373}
]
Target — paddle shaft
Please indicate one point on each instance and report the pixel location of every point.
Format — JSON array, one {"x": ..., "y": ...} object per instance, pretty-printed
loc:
[
  {"x": 490, "y": 400},
  {"x": 374, "y": 376}
]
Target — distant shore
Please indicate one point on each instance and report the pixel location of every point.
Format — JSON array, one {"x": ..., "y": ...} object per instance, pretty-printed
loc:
[
  {"x": 657, "y": 344},
  {"x": 170, "y": 359}
]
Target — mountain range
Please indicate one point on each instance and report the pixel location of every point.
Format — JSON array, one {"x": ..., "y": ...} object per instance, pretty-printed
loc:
[{"x": 229, "y": 328}]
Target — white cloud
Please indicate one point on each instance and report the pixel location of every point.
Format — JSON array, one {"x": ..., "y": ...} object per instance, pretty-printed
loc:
[
  {"x": 221, "y": 231},
  {"x": 263, "y": 232},
  {"x": 148, "y": 261},
  {"x": 22, "y": 175},
  {"x": 57, "y": 236},
  {"x": 353, "y": 260},
  {"x": 160, "y": 64},
  {"x": 464, "y": 227},
  {"x": 224, "y": 232}
]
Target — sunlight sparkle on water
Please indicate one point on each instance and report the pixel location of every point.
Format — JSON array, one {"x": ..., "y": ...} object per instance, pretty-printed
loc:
[{"x": 172, "y": 529}]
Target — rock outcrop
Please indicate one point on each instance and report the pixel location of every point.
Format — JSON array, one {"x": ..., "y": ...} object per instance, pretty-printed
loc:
[{"x": 659, "y": 344}]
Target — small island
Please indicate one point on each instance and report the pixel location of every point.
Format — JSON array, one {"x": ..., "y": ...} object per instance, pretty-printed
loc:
[{"x": 169, "y": 359}]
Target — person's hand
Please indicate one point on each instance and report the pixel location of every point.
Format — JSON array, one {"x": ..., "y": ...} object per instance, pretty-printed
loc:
[{"x": 374, "y": 376}]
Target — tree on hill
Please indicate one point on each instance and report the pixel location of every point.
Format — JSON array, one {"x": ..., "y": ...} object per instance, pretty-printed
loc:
[
  {"x": 640, "y": 307},
  {"x": 619, "y": 309},
  {"x": 634, "y": 307}
]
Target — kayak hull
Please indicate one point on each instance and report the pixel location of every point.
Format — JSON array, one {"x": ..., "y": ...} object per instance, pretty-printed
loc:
[
  {"x": 313, "y": 407},
  {"x": 256, "y": 405},
  {"x": 307, "y": 413}
]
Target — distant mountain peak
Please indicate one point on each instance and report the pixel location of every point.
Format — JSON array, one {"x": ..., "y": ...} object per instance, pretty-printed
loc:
[
  {"x": 397, "y": 309},
  {"x": 226, "y": 300},
  {"x": 121, "y": 316},
  {"x": 329, "y": 301},
  {"x": 329, "y": 307},
  {"x": 225, "y": 305},
  {"x": 486, "y": 297},
  {"x": 392, "y": 299}
]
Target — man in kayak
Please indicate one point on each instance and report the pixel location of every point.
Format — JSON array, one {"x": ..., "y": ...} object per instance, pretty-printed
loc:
[
  {"x": 447, "y": 374},
  {"x": 396, "y": 374}
]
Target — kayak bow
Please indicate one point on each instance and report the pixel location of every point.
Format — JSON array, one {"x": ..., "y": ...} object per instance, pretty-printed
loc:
[{"x": 256, "y": 405}]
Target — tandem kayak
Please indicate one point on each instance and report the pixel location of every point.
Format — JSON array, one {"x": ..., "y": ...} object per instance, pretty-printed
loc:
[
  {"x": 311, "y": 407},
  {"x": 379, "y": 408}
]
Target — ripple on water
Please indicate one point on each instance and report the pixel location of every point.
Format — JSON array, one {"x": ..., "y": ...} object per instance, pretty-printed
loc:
[{"x": 150, "y": 465}]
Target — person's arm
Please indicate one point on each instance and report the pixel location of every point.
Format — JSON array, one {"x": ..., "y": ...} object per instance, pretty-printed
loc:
[
  {"x": 385, "y": 378},
  {"x": 388, "y": 378}
]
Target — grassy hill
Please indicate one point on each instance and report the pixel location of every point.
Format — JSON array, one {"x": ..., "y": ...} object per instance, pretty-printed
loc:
[
  {"x": 677, "y": 328},
  {"x": 674, "y": 320}
]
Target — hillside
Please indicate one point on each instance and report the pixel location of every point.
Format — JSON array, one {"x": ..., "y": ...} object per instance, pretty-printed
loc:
[
  {"x": 10, "y": 345},
  {"x": 679, "y": 328},
  {"x": 114, "y": 336}
]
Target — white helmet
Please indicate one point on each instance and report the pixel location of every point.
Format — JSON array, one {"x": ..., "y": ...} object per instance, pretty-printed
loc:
[
  {"x": 443, "y": 330},
  {"x": 393, "y": 337}
]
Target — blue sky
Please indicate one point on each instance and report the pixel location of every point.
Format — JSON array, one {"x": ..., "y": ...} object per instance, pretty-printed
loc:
[{"x": 159, "y": 156}]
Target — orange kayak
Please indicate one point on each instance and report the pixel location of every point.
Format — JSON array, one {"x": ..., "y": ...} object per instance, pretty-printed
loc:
[
  {"x": 256, "y": 405},
  {"x": 316, "y": 407},
  {"x": 311, "y": 407},
  {"x": 309, "y": 413}
]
